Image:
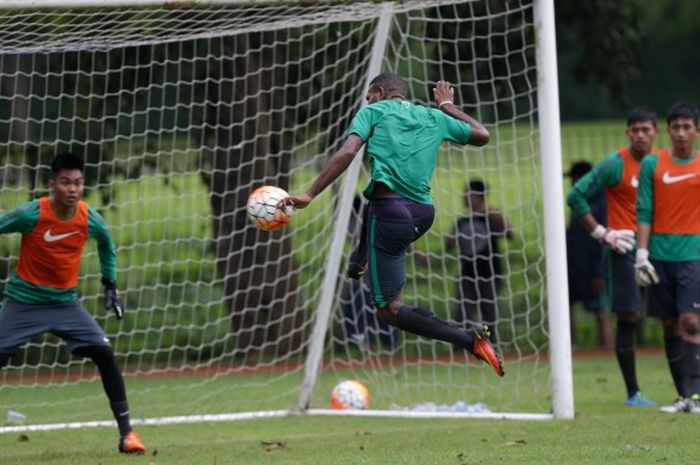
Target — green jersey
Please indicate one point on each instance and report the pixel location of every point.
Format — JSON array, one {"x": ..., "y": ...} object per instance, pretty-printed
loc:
[
  {"x": 51, "y": 249},
  {"x": 403, "y": 141},
  {"x": 607, "y": 173}
]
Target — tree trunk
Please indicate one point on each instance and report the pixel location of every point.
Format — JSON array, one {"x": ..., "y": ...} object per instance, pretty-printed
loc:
[{"x": 246, "y": 150}]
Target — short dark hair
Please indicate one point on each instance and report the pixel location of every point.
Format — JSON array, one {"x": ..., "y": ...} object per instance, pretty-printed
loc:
[
  {"x": 476, "y": 186},
  {"x": 640, "y": 115},
  {"x": 579, "y": 168},
  {"x": 66, "y": 161},
  {"x": 682, "y": 110},
  {"x": 391, "y": 82}
]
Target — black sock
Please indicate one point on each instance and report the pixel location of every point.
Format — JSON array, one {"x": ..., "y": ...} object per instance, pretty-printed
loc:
[
  {"x": 624, "y": 349},
  {"x": 691, "y": 365},
  {"x": 121, "y": 414},
  {"x": 112, "y": 382},
  {"x": 424, "y": 323},
  {"x": 674, "y": 357}
]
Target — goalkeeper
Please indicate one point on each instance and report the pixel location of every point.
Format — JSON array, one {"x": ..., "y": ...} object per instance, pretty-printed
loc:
[
  {"x": 668, "y": 257},
  {"x": 41, "y": 296},
  {"x": 618, "y": 174},
  {"x": 403, "y": 142}
]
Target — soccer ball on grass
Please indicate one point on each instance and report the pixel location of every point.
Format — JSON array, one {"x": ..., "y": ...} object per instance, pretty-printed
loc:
[
  {"x": 350, "y": 395},
  {"x": 263, "y": 210}
]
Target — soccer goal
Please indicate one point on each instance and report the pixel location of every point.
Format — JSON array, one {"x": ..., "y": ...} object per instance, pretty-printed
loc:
[{"x": 182, "y": 108}]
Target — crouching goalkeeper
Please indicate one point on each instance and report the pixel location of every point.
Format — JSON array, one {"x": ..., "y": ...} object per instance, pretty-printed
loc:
[{"x": 41, "y": 296}]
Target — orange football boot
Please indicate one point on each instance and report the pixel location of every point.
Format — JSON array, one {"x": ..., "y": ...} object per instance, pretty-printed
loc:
[
  {"x": 131, "y": 444},
  {"x": 483, "y": 350}
]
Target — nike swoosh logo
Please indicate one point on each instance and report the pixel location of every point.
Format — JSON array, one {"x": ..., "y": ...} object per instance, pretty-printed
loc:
[
  {"x": 48, "y": 237},
  {"x": 668, "y": 179},
  {"x": 634, "y": 182}
]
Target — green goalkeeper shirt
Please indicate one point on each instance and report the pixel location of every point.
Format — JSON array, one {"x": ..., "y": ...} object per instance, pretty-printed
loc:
[
  {"x": 23, "y": 220},
  {"x": 403, "y": 141},
  {"x": 605, "y": 174}
]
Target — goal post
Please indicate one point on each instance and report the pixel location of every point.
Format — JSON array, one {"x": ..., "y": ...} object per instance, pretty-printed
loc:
[
  {"x": 553, "y": 198},
  {"x": 181, "y": 109}
]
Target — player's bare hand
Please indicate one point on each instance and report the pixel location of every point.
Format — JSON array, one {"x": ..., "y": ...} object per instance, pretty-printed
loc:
[
  {"x": 443, "y": 92},
  {"x": 295, "y": 201}
]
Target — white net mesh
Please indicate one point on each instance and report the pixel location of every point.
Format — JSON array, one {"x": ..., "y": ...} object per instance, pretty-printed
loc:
[{"x": 180, "y": 112}]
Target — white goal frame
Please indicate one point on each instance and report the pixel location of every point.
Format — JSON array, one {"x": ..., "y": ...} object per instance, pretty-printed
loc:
[{"x": 561, "y": 371}]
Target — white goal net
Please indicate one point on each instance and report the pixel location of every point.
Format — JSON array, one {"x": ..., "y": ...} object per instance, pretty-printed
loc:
[{"x": 180, "y": 110}]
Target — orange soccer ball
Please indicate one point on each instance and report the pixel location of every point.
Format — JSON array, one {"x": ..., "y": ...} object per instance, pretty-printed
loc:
[
  {"x": 350, "y": 395},
  {"x": 263, "y": 210}
]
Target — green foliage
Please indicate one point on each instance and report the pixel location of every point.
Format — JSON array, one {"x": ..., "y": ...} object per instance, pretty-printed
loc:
[{"x": 605, "y": 40}]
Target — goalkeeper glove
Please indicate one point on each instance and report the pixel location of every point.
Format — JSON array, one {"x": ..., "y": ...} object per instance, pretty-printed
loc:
[
  {"x": 644, "y": 271},
  {"x": 112, "y": 299},
  {"x": 619, "y": 240}
]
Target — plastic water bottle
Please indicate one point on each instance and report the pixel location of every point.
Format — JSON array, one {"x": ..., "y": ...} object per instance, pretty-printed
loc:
[{"x": 14, "y": 418}]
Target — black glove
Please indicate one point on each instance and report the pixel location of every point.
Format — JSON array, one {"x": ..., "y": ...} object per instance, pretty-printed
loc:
[{"x": 112, "y": 299}]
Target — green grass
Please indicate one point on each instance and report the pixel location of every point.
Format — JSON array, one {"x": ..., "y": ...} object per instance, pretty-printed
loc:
[{"x": 604, "y": 431}]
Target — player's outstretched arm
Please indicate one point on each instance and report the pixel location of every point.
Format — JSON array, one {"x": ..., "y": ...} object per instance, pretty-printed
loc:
[
  {"x": 21, "y": 219},
  {"x": 444, "y": 96},
  {"x": 336, "y": 165}
]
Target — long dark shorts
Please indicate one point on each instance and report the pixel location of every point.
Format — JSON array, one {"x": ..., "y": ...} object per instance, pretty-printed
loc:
[
  {"x": 21, "y": 322},
  {"x": 678, "y": 290},
  {"x": 626, "y": 295},
  {"x": 394, "y": 223}
]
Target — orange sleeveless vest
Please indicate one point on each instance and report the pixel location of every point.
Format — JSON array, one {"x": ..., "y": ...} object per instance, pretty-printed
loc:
[
  {"x": 622, "y": 198},
  {"x": 50, "y": 255},
  {"x": 676, "y": 196}
]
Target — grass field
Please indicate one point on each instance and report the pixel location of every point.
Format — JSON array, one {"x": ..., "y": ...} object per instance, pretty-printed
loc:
[{"x": 604, "y": 431}]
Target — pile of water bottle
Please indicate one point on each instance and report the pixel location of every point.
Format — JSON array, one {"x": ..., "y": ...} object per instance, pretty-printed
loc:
[{"x": 459, "y": 406}]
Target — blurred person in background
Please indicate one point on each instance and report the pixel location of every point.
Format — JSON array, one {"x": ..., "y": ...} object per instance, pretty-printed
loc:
[{"x": 586, "y": 264}]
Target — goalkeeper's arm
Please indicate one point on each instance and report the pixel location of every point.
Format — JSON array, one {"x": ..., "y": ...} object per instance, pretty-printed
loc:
[
  {"x": 644, "y": 271},
  {"x": 107, "y": 251},
  {"x": 619, "y": 240}
]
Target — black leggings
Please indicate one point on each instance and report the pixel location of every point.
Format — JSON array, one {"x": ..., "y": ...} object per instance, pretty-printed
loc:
[{"x": 112, "y": 379}]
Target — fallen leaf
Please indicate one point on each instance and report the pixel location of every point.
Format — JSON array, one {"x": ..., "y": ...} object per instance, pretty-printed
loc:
[
  {"x": 517, "y": 442},
  {"x": 270, "y": 446}
]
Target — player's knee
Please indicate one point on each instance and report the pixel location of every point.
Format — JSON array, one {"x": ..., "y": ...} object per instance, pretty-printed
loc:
[
  {"x": 388, "y": 313},
  {"x": 670, "y": 327},
  {"x": 632, "y": 316},
  {"x": 690, "y": 324},
  {"x": 101, "y": 355}
]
